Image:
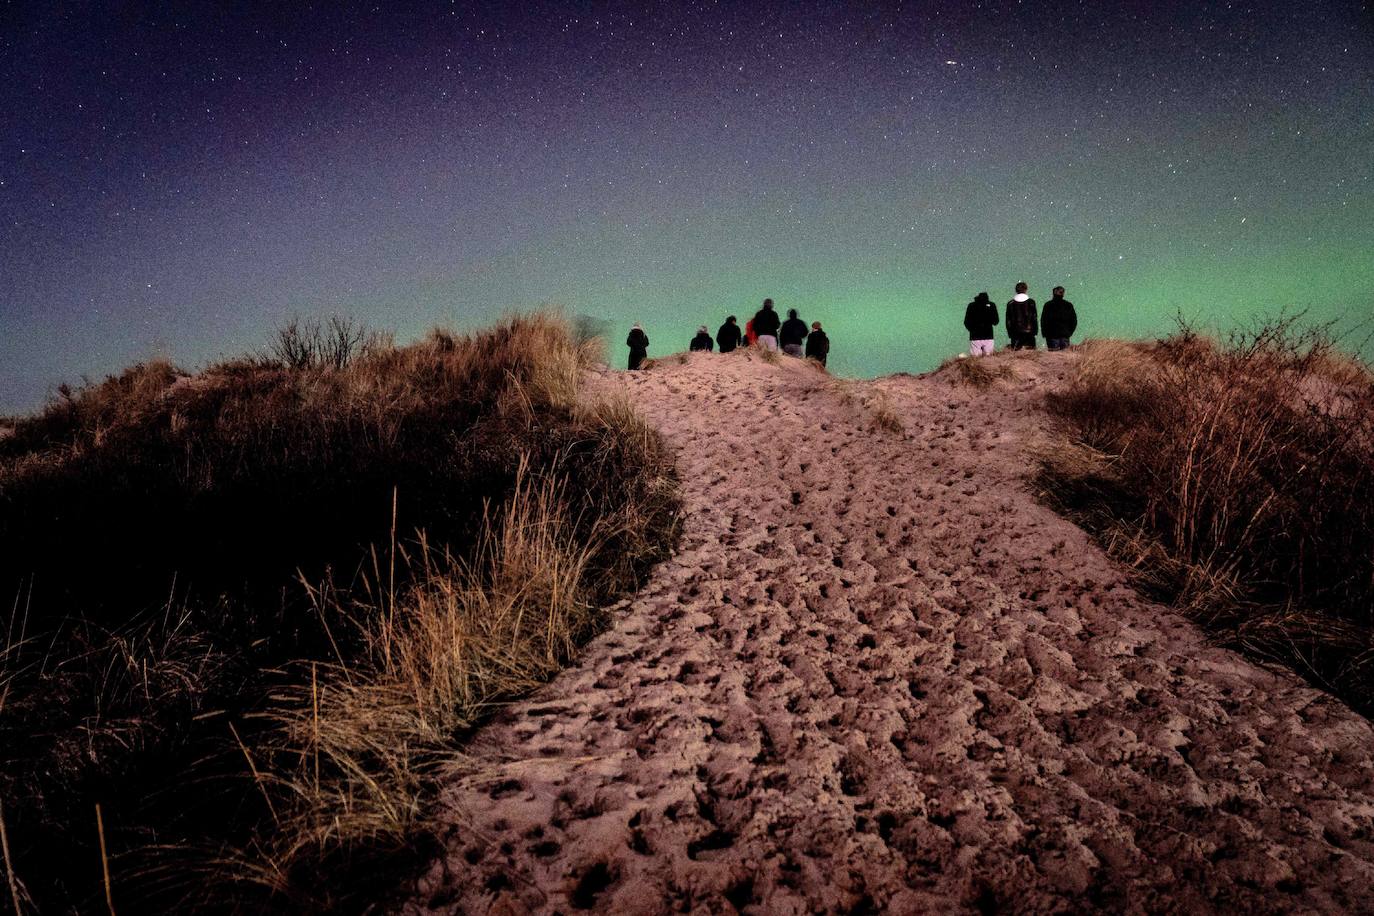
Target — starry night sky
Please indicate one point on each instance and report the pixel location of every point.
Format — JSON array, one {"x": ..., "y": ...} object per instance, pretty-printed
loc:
[{"x": 180, "y": 179}]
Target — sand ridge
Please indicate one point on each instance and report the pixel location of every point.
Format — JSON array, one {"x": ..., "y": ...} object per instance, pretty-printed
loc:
[{"x": 878, "y": 675}]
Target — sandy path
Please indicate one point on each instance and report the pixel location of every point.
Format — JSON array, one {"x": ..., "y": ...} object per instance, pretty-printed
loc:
[{"x": 879, "y": 675}]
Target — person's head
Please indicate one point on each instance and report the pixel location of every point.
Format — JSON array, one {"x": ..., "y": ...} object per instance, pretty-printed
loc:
[
  {"x": 791, "y": 313},
  {"x": 702, "y": 330},
  {"x": 982, "y": 298},
  {"x": 1059, "y": 291},
  {"x": 768, "y": 305},
  {"x": 815, "y": 325},
  {"x": 638, "y": 327},
  {"x": 1022, "y": 286},
  {"x": 730, "y": 320}
]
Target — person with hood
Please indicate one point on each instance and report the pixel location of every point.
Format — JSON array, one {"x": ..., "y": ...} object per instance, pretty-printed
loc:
[
  {"x": 1058, "y": 321},
  {"x": 980, "y": 317},
  {"x": 1022, "y": 321},
  {"x": 792, "y": 333},
  {"x": 817, "y": 344},
  {"x": 638, "y": 342},
  {"x": 702, "y": 341},
  {"x": 751, "y": 337},
  {"x": 766, "y": 326},
  {"x": 728, "y": 336}
]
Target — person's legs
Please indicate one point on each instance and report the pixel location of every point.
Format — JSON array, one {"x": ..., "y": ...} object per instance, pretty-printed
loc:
[
  {"x": 768, "y": 342},
  {"x": 793, "y": 349},
  {"x": 1056, "y": 343},
  {"x": 981, "y": 347},
  {"x": 1027, "y": 342}
]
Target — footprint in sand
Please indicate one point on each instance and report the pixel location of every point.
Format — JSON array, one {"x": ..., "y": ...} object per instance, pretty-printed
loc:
[{"x": 878, "y": 675}]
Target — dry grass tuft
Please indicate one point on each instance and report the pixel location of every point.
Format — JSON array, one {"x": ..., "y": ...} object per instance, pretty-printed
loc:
[
  {"x": 1239, "y": 479},
  {"x": 844, "y": 391},
  {"x": 884, "y": 416},
  {"x": 979, "y": 371},
  {"x": 278, "y": 738},
  {"x": 351, "y": 755}
]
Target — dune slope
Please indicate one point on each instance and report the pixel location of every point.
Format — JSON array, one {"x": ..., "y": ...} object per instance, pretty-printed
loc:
[{"x": 879, "y": 674}]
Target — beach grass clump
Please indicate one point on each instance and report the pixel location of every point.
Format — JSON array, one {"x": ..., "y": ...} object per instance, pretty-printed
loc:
[
  {"x": 978, "y": 372},
  {"x": 336, "y": 554},
  {"x": 1238, "y": 476},
  {"x": 883, "y": 415}
]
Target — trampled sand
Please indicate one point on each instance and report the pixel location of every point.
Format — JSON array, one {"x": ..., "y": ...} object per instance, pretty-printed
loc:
[{"x": 880, "y": 676}]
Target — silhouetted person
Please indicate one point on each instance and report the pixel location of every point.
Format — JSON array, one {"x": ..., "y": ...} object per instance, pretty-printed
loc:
[
  {"x": 751, "y": 337},
  {"x": 638, "y": 342},
  {"x": 1022, "y": 321},
  {"x": 792, "y": 333},
  {"x": 817, "y": 344},
  {"x": 766, "y": 326},
  {"x": 702, "y": 341},
  {"x": 980, "y": 318},
  {"x": 728, "y": 336},
  {"x": 1058, "y": 321}
]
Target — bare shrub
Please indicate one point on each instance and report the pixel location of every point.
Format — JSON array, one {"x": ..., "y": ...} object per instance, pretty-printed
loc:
[
  {"x": 334, "y": 344},
  {"x": 1241, "y": 475}
]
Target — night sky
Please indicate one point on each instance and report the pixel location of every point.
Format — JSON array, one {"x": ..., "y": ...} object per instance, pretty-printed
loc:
[{"x": 181, "y": 180}]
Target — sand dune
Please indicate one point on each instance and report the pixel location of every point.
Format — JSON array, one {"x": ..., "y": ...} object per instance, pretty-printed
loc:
[{"x": 879, "y": 675}]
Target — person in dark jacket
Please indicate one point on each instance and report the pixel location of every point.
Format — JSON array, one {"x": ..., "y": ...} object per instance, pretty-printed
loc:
[
  {"x": 728, "y": 336},
  {"x": 702, "y": 341},
  {"x": 817, "y": 344},
  {"x": 1022, "y": 321},
  {"x": 792, "y": 333},
  {"x": 980, "y": 317},
  {"x": 638, "y": 342},
  {"x": 1058, "y": 321},
  {"x": 766, "y": 326}
]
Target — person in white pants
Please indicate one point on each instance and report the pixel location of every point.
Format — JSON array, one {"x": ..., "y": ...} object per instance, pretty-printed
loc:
[
  {"x": 980, "y": 318},
  {"x": 766, "y": 323}
]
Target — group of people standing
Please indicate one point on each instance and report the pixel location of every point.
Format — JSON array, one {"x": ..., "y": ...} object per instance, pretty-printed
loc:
[
  {"x": 765, "y": 330},
  {"x": 1057, "y": 320}
]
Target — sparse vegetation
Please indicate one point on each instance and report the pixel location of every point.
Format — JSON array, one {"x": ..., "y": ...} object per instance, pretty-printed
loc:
[
  {"x": 844, "y": 391},
  {"x": 884, "y": 416},
  {"x": 333, "y": 345},
  {"x": 979, "y": 371},
  {"x": 254, "y": 606},
  {"x": 1239, "y": 480}
]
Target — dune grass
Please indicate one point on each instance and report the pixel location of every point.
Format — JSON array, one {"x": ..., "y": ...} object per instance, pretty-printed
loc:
[
  {"x": 254, "y": 608},
  {"x": 981, "y": 372},
  {"x": 1238, "y": 478},
  {"x": 884, "y": 416}
]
